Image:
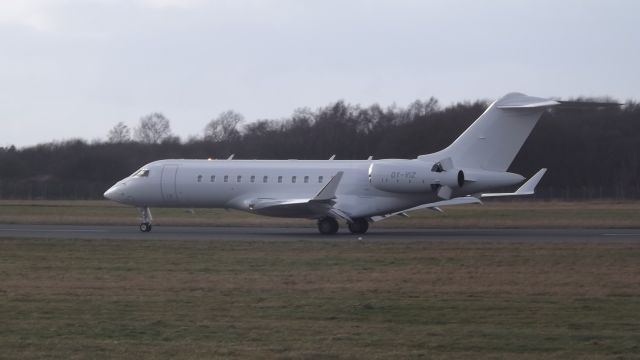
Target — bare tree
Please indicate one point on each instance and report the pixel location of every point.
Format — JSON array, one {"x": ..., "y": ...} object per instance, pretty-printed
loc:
[
  {"x": 224, "y": 127},
  {"x": 153, "y": 129},
  {"x": 120, "y": 133}
]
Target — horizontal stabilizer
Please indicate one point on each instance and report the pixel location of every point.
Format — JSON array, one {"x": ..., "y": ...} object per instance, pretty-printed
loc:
[
  {"x": 528, "y": 188},
  {"x": 529, "y": 105},
  {"x": 533, "y": 103},
  {"x": 587, "y": 104}
]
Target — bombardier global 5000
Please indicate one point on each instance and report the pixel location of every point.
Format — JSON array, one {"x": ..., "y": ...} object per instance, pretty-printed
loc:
[{"x": 358, "y": 192}]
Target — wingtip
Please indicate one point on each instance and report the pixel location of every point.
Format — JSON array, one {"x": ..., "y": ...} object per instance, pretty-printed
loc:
[{"x": 529, "y": 187}]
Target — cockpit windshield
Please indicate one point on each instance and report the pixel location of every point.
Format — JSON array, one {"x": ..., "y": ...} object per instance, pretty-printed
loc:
[{"x": 141, "y": 173}]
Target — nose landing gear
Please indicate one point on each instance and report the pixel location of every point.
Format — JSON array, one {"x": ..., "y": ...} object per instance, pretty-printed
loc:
[
  {"x": 145, "y": 227},
  {"x": 145, "y": 214}
]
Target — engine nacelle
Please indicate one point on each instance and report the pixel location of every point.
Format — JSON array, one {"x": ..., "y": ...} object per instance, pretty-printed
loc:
[{"x": 412, "y": 177}]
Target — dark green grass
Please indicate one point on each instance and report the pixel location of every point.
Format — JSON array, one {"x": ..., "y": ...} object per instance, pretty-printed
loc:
[{"x": 319, "y": 299}]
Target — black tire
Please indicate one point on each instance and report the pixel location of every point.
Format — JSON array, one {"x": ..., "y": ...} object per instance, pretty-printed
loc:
[
  {"x": 145, "y": 227},
  {"x": 328, "y": 226},
  {"x": 359, "y": 226}
]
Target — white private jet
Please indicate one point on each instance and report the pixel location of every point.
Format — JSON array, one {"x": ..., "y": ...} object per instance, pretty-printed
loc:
[{"x": 356, "y": 191}]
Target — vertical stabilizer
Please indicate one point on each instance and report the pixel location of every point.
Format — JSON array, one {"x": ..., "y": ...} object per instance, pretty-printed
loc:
[{"x": 494, "y": 139}]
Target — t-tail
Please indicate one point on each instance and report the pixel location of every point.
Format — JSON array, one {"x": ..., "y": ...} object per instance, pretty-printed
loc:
[{"x": 495, "y": 138}]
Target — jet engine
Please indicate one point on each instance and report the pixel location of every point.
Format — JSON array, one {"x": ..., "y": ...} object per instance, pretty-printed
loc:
[{"x": 415, "y": 176}]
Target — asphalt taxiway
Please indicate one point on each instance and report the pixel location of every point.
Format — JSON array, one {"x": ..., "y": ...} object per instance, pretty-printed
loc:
[{"x": 294, "y": 234}]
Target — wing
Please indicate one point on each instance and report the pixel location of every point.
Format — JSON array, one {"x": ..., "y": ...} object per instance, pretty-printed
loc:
[
  {"x": 528, "y": 188},
  {"x": 315, "y": 207},
  {"x": 433, "y": 206}
]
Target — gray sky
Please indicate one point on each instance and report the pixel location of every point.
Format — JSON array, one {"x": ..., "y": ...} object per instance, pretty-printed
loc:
[{"x": 74, "y": 68}]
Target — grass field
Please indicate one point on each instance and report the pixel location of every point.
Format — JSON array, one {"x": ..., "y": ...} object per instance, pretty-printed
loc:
[
  {"x": 322, "y": 299},
  {"x": 516, "y": 214}
]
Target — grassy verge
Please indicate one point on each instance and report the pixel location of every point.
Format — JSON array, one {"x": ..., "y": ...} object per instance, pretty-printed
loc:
[
  {"x": 527, "y": 214},
  {"x": 319, "y": 299}
]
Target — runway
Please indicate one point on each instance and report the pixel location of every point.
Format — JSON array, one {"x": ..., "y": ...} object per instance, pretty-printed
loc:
[{"x": 84, "y": 232}]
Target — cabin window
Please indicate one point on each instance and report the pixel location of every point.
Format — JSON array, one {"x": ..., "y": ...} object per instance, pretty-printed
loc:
[
  {"x": 265, "y": 179},
  {"x": 320, "y": 179},
  {"x": 306, "y": 179},
  {"x": 226, "y": 178},
  {"x": 279, "y": 179},
  {"x": 213, "y": 178},
  {"x": 293, "y": 179},
  {"x": 253, "y": 178},
  {"x": 239, "y": 179},
  {"x": 199, "y": 178}
]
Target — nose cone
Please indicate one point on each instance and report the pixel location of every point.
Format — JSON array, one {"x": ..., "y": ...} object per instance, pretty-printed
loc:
[
  {"x": 116, "y": 193},
  {"x": 109, "y": 194}
]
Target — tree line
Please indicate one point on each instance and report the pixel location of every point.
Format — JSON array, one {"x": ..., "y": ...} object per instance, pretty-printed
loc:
[{"x": 590, "y": 153}]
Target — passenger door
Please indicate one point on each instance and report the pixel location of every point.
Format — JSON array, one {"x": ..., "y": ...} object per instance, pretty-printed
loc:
[{"x": 168, "y": 183}]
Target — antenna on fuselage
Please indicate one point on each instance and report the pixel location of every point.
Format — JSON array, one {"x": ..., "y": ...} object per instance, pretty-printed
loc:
[
  {"x": 231, "y": 157},
  {"x": 332, "y": 157}
]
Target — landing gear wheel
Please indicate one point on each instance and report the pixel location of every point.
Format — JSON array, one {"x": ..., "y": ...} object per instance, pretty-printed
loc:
[
  {"x": 145, "y": 214},
  {"x": 328, "y": 226},
  {"x": 359, "y": 226}
]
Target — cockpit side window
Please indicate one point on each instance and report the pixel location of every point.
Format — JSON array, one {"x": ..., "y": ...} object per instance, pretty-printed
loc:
[{"x": 142, "y": 173}]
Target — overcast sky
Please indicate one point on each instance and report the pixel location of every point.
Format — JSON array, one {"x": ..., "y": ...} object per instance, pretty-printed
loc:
[{"x": 74, "y": 68}]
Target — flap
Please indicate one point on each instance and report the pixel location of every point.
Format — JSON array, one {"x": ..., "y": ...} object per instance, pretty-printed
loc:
[{"x": 464, "y": 200}]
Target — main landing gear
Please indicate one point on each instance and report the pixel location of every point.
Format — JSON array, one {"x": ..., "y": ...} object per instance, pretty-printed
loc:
[
  {"x": 145, "y": 214},
  {"x": 359, "y": 226},
  {"x": 329, "y": 226}
]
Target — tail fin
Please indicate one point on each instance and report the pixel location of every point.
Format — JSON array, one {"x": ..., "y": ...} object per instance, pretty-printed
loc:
[{"x": 494, "y": 139}]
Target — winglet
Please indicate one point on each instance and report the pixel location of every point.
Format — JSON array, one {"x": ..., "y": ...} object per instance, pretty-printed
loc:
[
  {"x": 328, "y": 192},
  {"x": 528, "y": 188}
]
